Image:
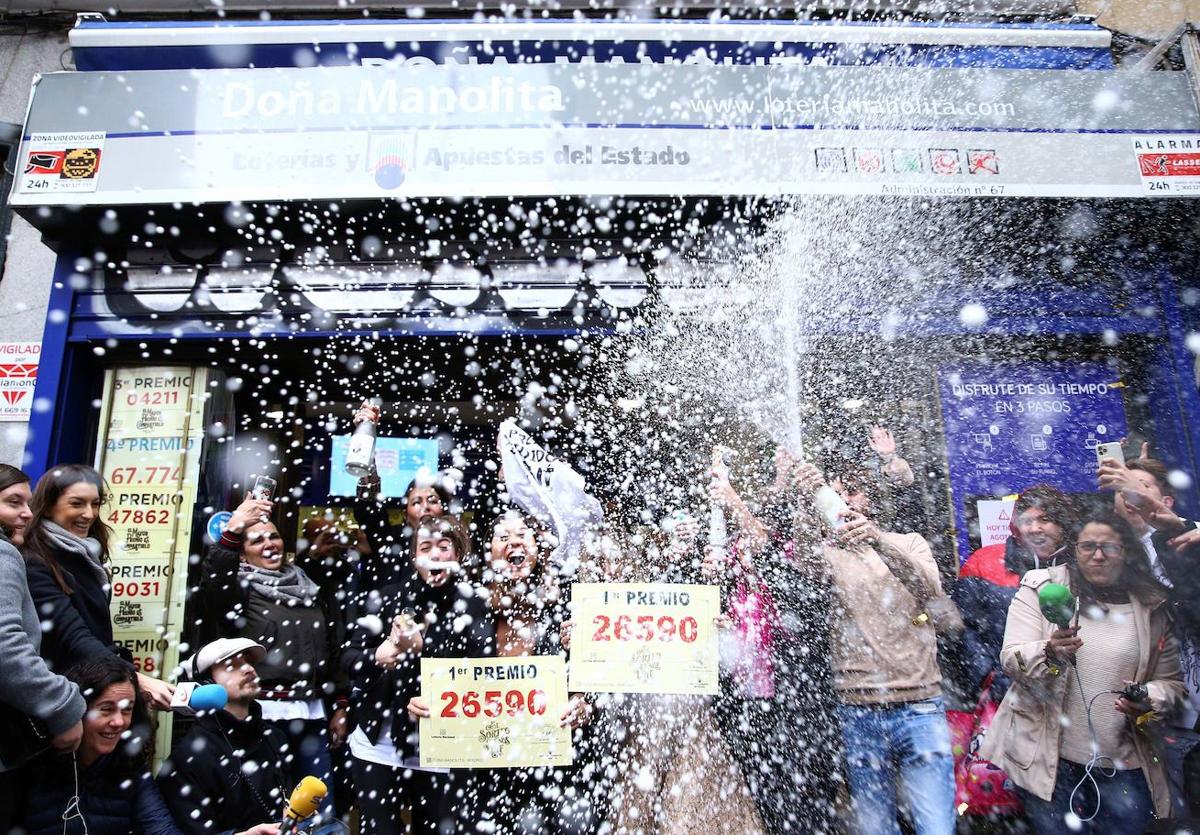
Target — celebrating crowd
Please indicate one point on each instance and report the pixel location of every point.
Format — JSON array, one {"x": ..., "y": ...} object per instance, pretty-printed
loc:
[{"x": 1052, "y": 684}]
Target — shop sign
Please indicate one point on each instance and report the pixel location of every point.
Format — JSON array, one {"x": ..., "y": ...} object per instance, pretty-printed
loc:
[
  {"x": 549, "y": 129},
  {"x": 18, "y": 377}
]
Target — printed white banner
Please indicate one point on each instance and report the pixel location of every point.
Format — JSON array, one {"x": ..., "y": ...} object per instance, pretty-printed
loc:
[
  {"x": 995, "y": 517},
  {"x": 18, "y": 376}
]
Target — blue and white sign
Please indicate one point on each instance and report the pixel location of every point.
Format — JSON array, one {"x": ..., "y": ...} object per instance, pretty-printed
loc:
[
  {"x": 217, "y": 523},
  {"x": 1011, "y": 427},
  {"x": 398, "y": 460}
]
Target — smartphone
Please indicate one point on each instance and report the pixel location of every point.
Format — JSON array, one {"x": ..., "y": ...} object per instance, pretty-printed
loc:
[
  {"x": 1112, "y": 452},
  {"x": 264, "y": 488}
]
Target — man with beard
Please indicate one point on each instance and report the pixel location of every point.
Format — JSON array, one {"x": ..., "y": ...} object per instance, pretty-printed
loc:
[
  {"x": 227, "y": 775},
  {"x": 989, "y": 579}
]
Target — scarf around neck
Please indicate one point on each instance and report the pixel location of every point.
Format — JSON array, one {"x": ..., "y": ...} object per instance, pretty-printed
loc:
[
  {"x": 289, "y": 585},
  {"x": 88, "y": 549}
]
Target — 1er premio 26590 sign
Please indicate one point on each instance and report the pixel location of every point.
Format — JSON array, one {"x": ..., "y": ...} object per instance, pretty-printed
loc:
[
  {"x": 644, "y": 638},
  {"x": 494, "y": 712}
]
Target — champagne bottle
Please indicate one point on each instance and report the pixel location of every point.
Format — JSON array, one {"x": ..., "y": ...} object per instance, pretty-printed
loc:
[
  {"x": 830, "y": 505},
  {"x": 718, "y": 525},
  {"x": 360, "y": 458}
]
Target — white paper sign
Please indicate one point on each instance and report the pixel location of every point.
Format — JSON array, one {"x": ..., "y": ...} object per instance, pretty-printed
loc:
[
  {"x": 995, "y": 517},
  {"x": 18, "y": 376},
  {"x": 58, "y": 162}
]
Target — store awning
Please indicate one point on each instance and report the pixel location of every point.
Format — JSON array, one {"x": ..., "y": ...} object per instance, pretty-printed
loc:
[
  {"x": 98, "y": 44},
  {"x": 380, "y": 132}
]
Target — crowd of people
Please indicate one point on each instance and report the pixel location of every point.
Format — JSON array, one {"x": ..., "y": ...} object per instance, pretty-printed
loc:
[{"x": 841, "y": 643}]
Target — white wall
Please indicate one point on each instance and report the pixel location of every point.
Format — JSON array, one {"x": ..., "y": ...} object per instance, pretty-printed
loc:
[{"x": 29, "y": 264}]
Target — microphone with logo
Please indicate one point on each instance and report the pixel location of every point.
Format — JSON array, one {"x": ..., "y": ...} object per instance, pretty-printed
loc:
[
  {"x": 1058, "y": 605},
  {"x": 191, "y": 699},
  {"x": 303, "y": 804}
]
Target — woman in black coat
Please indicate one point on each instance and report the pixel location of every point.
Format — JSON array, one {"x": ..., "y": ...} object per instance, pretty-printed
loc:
[
  {"x": 401, "y": 621},
  {"x": 105, "y": 787},
  {"x": 248, "y": 590},
  {"x": 66, "y": 561},
  {"x": 528, "y": 612}
]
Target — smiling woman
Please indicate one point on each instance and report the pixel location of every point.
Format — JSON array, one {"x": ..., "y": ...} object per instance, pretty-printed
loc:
[
  {"x": 66, "y": 560},
  {"x": 105, "y": 788}
]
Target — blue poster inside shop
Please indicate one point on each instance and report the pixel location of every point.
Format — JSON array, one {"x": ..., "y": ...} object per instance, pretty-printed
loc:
[{"x": 1009, "y": 427}]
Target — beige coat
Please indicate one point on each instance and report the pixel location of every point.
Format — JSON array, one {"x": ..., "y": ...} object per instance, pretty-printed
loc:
[
  {"x": 882, "y": 651},
  {"x": 1024, "y": 736}
]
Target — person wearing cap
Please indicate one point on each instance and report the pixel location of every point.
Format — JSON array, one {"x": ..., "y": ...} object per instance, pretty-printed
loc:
[
  {"x": 251, "y": 590},
  {"x": 227, "y": 775}
]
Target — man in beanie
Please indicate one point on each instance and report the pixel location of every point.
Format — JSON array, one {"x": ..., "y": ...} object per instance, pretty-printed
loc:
[
  {"x": 227, "y": 775},
  {"x": 988, "y": 581}
]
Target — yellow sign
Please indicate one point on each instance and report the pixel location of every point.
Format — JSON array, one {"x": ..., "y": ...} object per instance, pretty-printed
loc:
[
  {"x": 644, "y": 638},
  {"x": 152, "y": 428},
  {"x": 494, "y": 712}
]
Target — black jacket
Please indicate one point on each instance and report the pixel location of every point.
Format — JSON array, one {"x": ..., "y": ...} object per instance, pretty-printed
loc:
[
  {"x": 78, "y": 625},
  {"x": 110, "y": 803},
  {"x": 378, "y": 695},
  {"x": 1183, "y": 570},
  {"x": 298, "y": 639},
  {"x": 206, "y": 784}
]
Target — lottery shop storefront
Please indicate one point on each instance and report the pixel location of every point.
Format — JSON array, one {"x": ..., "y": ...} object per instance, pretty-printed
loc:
[{"x": 261, "y": 224}]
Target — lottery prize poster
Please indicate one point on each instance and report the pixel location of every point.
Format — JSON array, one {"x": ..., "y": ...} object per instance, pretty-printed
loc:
[
  {"x": 494, "y": 712},
  {"x": 152, "y": 428},
  {"x": 644, "y": 638}
]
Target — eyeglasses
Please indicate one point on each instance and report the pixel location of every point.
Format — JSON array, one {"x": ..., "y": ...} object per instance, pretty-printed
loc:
[{"x": 1110, "y": 549}]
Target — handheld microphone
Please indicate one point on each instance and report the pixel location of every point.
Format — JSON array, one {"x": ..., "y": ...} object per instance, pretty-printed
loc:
[
  {"x": 191, "y": 698},
  {"x": 1057, "y": 603},
  {"x": 303, "y": 804}
]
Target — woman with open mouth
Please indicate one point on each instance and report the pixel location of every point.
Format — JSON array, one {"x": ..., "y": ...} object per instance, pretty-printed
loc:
[
  {"x": 429, "y": 609},
  {"x": 248, "y": 589},
  {"x": 528, "y": 609},
  {"x": 105, "y": 787},
  {"x": 67, "y": 561}
]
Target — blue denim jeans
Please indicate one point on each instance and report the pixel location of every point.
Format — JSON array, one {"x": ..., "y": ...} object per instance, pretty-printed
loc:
[
  {"x": 899, "y": 751},
  {"x": 1125, "y": 804}
]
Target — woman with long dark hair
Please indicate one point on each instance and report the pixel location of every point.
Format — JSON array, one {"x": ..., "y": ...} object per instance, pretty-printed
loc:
[
  {"x": 29, "y": 690},
  {"x": 527, "y": 610},
  {"x": 429, "y": 609},
  {"x": 66, "y": 560},
  {"x": 1072, "y": 733},
  {"x": 105, "y": 787}
]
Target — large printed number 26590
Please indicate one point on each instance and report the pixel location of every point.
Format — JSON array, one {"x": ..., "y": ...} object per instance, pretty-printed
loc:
[
  {"x": 623, "y": 628},
  {"x": 494, "y": 703}
]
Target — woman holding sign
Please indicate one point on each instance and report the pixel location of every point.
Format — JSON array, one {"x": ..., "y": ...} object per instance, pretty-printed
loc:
[
  {"x": 527, "y": 609},
  {"x": 426, "y": 610}
]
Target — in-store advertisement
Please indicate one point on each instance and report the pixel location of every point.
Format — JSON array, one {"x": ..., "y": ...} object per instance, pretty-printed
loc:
[
  {"x": 149, "y": 455},
  {"x": 18, "y": 376},
  {"x": 1011, "y": 427}
]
